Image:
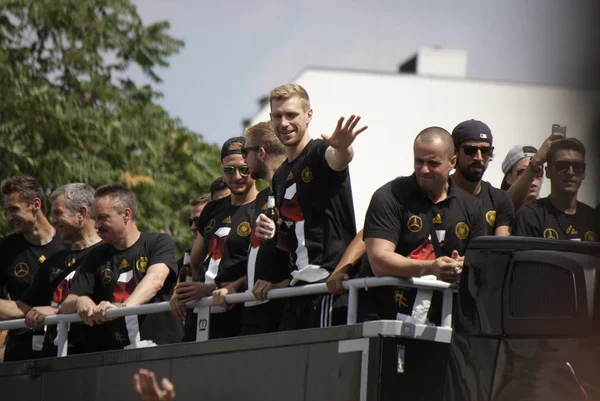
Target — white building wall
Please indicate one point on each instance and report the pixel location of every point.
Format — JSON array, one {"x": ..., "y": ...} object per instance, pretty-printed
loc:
[{"x": 396, "y": 107}]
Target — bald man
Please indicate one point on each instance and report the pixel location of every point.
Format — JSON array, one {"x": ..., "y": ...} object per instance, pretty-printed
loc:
[{"x": 417, "y": 226}]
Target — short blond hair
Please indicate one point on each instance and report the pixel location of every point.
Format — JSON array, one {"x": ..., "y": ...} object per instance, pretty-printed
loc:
[
  {"x": 288, "y": 91},
  {"x": 263, "y": 135}
]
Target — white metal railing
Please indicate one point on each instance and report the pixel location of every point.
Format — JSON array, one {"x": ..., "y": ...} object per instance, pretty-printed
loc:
[{"x": 202, "y": 306}]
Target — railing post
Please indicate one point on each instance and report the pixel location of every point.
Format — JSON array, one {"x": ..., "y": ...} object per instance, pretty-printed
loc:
[
  {"x": 203, "y": 323},
  {"x": 352, "y": 304},
  {"x": 62, "y": 338},
  {"x": 447, "y": 308}
]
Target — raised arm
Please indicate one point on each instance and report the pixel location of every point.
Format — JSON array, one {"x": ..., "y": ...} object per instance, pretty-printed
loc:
[
  {"x": 340, "y": 153},
  {"x": 520, "y": 189}
]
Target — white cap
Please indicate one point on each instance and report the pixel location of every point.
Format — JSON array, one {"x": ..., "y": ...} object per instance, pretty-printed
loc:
[{"x": 515, "y": 154}]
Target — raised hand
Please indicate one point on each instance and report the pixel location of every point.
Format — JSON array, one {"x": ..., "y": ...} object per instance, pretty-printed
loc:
[
  {"x": 344, "y": 134},
  {"x": 145, "y": 384},
  {"x": 542, "y": 154}
]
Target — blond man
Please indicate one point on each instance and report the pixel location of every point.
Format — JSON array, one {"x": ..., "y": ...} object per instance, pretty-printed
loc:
[{"x": 313, "y": 193}]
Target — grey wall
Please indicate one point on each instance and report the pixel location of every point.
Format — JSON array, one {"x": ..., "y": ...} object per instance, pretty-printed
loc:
[{"x": 298, "y": 366}]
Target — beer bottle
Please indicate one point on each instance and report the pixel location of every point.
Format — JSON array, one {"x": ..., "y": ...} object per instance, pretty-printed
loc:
[
  {"x": 272, "y": 213},
  {"x": 187, "y": 267}
]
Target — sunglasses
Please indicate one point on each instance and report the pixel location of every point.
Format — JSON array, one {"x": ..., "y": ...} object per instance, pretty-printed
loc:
[
  {"x": 230, "y": 170},
  {"x": 539, "y": 175},
  {"x": 563, "y": 167},
  {"x": 246, "y": 149},
  {"x": 193, "y": 220},
  {"x": 470, "y": 150}
]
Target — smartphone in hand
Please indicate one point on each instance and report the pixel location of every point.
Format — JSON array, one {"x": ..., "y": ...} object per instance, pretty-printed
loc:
[{"x": 559, "y": 128}]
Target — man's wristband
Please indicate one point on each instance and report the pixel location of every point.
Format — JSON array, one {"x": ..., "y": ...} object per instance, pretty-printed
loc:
[{"x": 120, "y": 304}]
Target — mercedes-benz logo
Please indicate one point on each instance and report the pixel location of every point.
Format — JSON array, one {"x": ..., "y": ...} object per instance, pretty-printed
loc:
[
  {"x": 415, "y": 224},
  {"x": 106, "y": 275}
]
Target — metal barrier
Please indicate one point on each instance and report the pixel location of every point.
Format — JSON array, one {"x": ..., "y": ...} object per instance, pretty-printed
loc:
[{"x": 202, "y": 306}]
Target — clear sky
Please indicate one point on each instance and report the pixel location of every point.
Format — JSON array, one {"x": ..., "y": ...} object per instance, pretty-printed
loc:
[{"x": 236, "y": 51}]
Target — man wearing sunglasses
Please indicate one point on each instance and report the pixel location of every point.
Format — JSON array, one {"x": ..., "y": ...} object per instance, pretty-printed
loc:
[
  {"x": 268, "y": 266},
  {"x": 313, "y": 193},
  {"x": 560, "y": 215},
  {"x": 473, "y": 145},
  {"x": 220, "y": 252},
  {"x": 523, "y": 169}
]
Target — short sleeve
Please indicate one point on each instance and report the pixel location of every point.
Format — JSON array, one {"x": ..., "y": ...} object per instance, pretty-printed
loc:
[
  {"x": 318, "y": 161},
  {"x": 505, "y": 212},
  {"x": 84, "y": 280},
  {"x": 384, "y": 216},
  {"x": 163, "y": 251},
  {"x": 208, "y": 212}
]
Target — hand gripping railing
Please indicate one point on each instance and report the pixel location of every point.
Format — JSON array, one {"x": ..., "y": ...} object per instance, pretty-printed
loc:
[{"x": 202, "y": 306}]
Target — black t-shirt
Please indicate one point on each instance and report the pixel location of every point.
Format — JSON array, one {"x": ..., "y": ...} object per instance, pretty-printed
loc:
[
  {"x": 20, "y": 261},
  {"x": 401, "y": 213},
  {"x": 498, "y": 207},
  {"x": 541, "y": 219},
  {"x": 265, "y": 260},
  {"x": 110, "y": 274},
  {"x": 316, "y": 204},
  {"x": 53, "y": 280},
  {"x": 226, "y": 230},
  {"x": 51, "y": 286}
]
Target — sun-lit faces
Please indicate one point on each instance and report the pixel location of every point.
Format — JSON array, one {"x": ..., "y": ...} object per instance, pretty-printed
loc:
[
  {"x": 290, "y": 120},
  {"x": 517, "y": 170},
  {"x": 21, "y": 214},
  {"x": 432, "y": 164},
  {"x": 67, "y": 223},
  {"x": 110, "y": 222},
  {"x": 567, "y": 171},
  {"x": 236, "y": 182},
  {"x": 473, "y": 159},
  {"x": 257, "y": 166}
]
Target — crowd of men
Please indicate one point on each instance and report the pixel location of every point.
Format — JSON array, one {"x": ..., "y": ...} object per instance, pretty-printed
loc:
[{"x": 92, "y": 257}]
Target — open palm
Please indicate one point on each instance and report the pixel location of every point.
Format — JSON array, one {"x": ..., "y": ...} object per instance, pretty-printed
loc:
[{"x": 344, "y": 134}]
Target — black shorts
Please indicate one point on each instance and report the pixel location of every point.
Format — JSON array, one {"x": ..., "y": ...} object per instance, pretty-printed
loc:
[
  {"x": 83, "y": 339},
  {"x": 18, "y": 348},
  {"x": 226, "y": 324},
  {"x": 311, "y": 311},
  {"x": 263, "y": 318},
  {"x": 189, "y": 328}
]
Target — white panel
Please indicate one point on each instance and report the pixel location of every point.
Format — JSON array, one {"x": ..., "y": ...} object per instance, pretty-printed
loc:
[
  {"x": 442, "y": 62},
  {"x": 396, "y": 107}
]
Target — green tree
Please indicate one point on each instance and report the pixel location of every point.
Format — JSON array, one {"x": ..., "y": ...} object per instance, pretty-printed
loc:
[{"x": 70, "y": 113}]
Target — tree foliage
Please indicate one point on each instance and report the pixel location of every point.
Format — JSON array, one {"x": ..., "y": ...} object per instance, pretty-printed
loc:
[{"x": 70, "y": 113}]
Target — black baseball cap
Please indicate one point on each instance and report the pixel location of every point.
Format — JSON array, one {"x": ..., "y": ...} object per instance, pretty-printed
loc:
[
  {"x": 225, "y": 151},
  {"x": 471, "y": 130}
]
